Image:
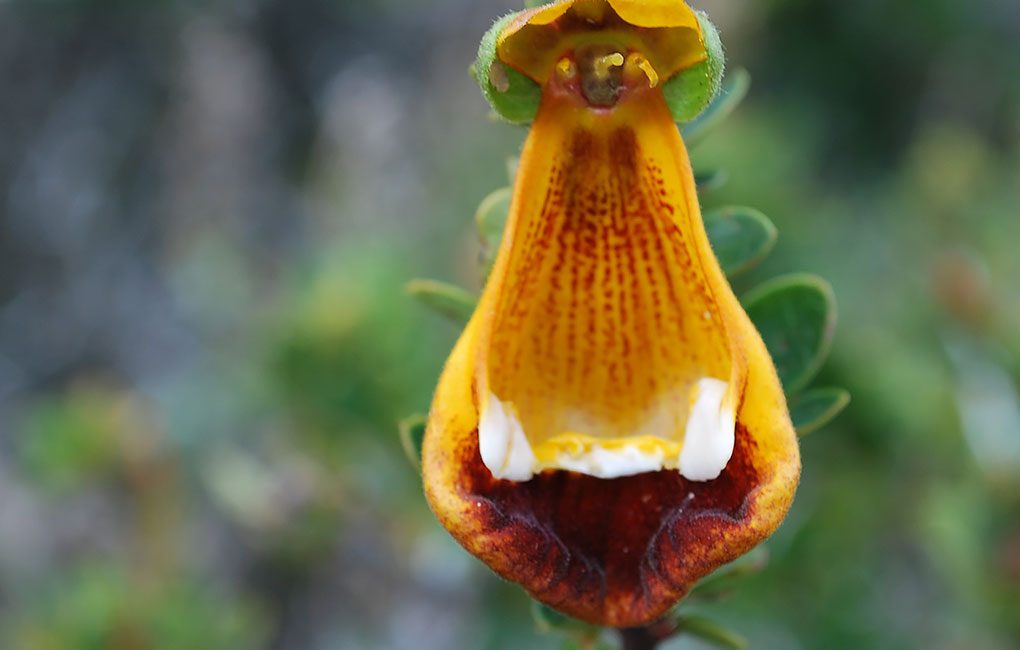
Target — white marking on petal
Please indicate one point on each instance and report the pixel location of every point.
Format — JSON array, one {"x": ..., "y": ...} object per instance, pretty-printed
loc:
[
  {"x": 611, "y": 463},
  {"x": 503, "y": 446},
  {"x": 707, "y": 445},
  {"x": 708, "y": 440}
]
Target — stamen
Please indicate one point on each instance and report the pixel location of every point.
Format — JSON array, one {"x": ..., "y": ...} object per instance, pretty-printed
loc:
[
  {"x": 638, "y": 65},
  {"x": 566, "y": 69},
  {"x": 603, "y": 65}
]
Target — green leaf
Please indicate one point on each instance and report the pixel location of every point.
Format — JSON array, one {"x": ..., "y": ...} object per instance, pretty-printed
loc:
[
  {"x": 813, "y": 409},
  {"x": 726, "y": 578},
  {"x": 548, "y": 620},
  {"x": 412, "y": 433},
  {"x": 741, "y": 237},
  {"x": 796, "y": 316},
  {"x": 490, "y": 219},
  {"x": 451, "y": 301},
  {"x": 734, "y": 89},
  {"x": 711, "y": 632},
  {"x": 586, "y": 643},
  {"x": 711, "y": 179}
]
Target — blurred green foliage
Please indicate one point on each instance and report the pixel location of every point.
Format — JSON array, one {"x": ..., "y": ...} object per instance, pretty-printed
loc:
[
  {"x": 90, "y": 611},
  {"x": 70, "y": 440}
]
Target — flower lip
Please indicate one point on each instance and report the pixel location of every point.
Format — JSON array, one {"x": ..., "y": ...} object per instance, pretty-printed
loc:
[{"x": 666, "y": 32}]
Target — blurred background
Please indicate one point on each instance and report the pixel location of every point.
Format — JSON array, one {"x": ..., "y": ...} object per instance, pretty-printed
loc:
[{"x": 207, "y": 215}]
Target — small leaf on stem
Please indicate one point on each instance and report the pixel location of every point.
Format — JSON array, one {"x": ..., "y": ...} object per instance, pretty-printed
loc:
[
  {"x": 726, "y": 578},
  {"x": 734, "y": 89},
  {"x": 580, "y": 635},
  {"x": 813, "y": 409},
  {"x": 741, "y": 237},
  {"x": 412, "y": 432},
  {"x": 451, "y": 301},
  {"x": 710, "y": 179},
  {"x": 711, "y": 632},
  {"x": 796, "y": 316},
  {"x": 490, "y": 219}
]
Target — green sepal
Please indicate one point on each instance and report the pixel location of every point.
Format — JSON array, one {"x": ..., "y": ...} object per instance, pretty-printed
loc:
[
  {"x": 710, "y": 632},
  {"x": 451, "y": 301},
  {"x": 531, "y": 4},
  {"x": 813, "y": 409},
  {"x": 512, "y": 95},
  {"x": 734, "y": 90},
  {"x": 692, "y": 90},
  {"x": 728, "y": 577},
  {"x": 490, "y": 219},
  {"x": 741, "y": 237},
  {"x": 412, "y": 433},
  {"x": 796, "y": 316}
]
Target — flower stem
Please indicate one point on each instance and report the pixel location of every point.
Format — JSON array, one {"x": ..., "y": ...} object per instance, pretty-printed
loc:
[{"x": 639, "y": 638}]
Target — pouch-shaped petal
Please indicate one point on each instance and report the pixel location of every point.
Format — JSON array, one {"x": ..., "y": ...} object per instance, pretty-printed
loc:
[{"x": 609, "y": 428}]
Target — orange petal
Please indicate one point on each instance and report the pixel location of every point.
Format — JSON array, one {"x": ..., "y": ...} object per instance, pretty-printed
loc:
[
  {"x": 655, "y": 13},
  {"x": 606, "y": 304}
]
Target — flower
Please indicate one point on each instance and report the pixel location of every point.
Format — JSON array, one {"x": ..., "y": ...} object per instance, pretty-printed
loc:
[{"x": 609, "y": 428}]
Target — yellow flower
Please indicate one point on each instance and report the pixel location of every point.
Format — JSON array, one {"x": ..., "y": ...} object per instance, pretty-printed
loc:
[{"x": 609, "y": 427}]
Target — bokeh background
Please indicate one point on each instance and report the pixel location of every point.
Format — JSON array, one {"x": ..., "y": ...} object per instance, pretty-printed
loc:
[{"x": 207, "y": 215}]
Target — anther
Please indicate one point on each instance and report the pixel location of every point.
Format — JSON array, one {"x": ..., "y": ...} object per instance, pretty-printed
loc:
[
  {"x": 602, "y": 65},
  {"x": 566, "y": 69},
  {"x": 638, "y": 65}
]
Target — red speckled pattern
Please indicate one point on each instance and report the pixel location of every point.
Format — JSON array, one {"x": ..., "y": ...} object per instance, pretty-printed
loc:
[{"x": 605, "y": 321}]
